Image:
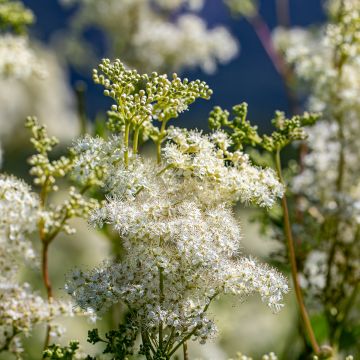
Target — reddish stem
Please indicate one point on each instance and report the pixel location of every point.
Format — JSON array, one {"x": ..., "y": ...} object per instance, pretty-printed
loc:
[{"x": 264, "y": 34}]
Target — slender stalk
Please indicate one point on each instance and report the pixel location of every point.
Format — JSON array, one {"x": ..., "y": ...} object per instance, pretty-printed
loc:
[
  {"x": 292, "y": 257},
  {"x": 136, "y": 140},
  {"x": 44, "y": 258},
  {"x": 80, "y": 88},
  {"x": 45, "y": 270},
  {"x": 283, "y": 13},
  {"x": 185, "y": 351},
  {"x": 146, "y": 342},
  {"x": 48, "y": 286},
  {"x": 264, "y": 34},
  {"x": 126, "y": 144},
  {"x": 339, "y": 61},
  {"x": 188, "y": 336},
  {"x": 46, "y": 240},
  {"x": 169, "y": 340},
  {"x": 9, "y": 340},
  {"x": 346, "y": 311}
]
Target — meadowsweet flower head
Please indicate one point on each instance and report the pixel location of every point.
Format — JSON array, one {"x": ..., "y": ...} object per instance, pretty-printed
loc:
[
  {"x": 174, "y": 217},
  {"x": 18, "y": 208},
  {"x": 207, "y": 158},
  {"x": 93, "y": 157},
  {"x": 19, "y": 214},
  {"x": 173, "y": 227},
  {"x": 20, "y": 311}
]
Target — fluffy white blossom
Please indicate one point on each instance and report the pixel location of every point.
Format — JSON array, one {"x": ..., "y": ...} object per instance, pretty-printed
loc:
[
  {"x": 179, "y": 233},
  {"x": 20, "y": 308},
  {"x": 94, "y": 156},
  {"x": 19, "y": 214},
  {"x": 184, "y": 44},
  {"x": 205, "y": 158}
]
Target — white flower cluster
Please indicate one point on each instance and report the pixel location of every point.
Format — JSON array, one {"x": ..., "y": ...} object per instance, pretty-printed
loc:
[
  {"x": 313, "y": 277},
  {"x": 94, "y": 156},
  {"x": 184, "y": 44},
  {"x": 204, "y": 157},
  {"x": 49, "y": 98},
  {"x": 19, "y": 214},
  {"x": 181, "y": 240},
  {"x": 20, "y": 311},
  {"x": 17, "y": 59},
  {"x": 20, "y": 308},
  {"x": 149, "y": 38}
]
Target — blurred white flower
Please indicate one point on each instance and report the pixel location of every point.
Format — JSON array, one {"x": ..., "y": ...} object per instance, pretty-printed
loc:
[
  {"x": 150, "y": 35},
  {"x": 17, "y": 59},
  {"x": 48, "y": 97}
]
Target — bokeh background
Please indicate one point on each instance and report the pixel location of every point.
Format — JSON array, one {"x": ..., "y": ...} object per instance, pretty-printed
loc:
[{"x": 249, "y": 77}]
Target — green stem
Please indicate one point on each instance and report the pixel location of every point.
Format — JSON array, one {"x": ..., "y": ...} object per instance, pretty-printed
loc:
[
  {"x": 292, "y": 257},
  {"x": 146, "y": 343},
  {"x": 169, "y": 340},
  {"x": 136, "y": 140},
  {"x": 188, "y": 336},
  {"x": 9, "y": 340},
  {"x": 80, "y": 88},
  {"x": 348, "y": 306},
  {"x": 185, "y": 351},
  {"x": 126, "y": 144}
]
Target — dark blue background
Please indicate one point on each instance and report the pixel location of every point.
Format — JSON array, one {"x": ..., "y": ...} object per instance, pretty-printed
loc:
[{"x": 250, "y": 77}]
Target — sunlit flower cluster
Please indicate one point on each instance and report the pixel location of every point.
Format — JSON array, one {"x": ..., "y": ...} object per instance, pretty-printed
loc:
[
  {"x": 207, "y": 158},
  {"x": 181, "y": 240}
]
